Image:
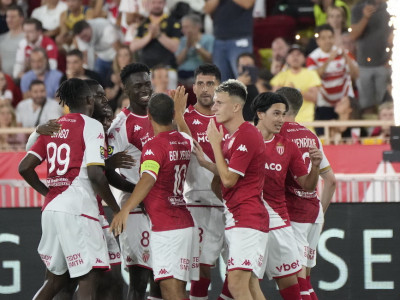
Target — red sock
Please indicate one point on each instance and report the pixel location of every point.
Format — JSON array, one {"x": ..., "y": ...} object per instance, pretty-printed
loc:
[
  {"x": 311, "y": 290},
  {"x": 305, "y": 294},
  {"x": 225, "y": 294},
  {"x": 291, "y": 293},
  {"x": 199, "y": 289}
]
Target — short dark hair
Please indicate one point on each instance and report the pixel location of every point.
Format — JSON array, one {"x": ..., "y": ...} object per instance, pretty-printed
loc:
[
  {"x": 208, "y": 69},
  {"x": 161, "y": 108},
  {"x": 158, "y": 67},
  {"x": 17, "y": 8},
  {"x": 322, "y": 28},
  {"x": 233, "y": 88},
  {"x": 245, "y": 54},
  {"x": 75, "y": 52},
  {"x": 80, "y": 26},
  {"x": 294, "y": 98},
  {"x": 132, "y": 69},
  {"x": 35, "y": 82},
  {"x": 36, "y": 22},
  {"x": 262, "y": 102},
  {"x": 73, "y": 92}
]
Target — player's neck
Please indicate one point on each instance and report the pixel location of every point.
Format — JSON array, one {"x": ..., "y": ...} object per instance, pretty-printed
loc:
[
  {"x": 265, "y": 133},
  {"x": 203, "y": 109},
  {"x": 157, "y": 128},
  {"x": 233, "y": 124},
  {"x": 290, "y": 118},
  {"x": 137, "y": 109}
]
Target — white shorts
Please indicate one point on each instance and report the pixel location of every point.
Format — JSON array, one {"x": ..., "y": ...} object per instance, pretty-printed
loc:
[
  {"x": 135, "y": 241},
  {"x": 114, "y": 253},
  {"x": 283, "y": 259},
  {"x": 211, "y": 226},
  {"x": 247, "y": 250},
  {"x": 307, "y": 236},
  {"x": 175, "y": 254},
  {"x": 73, "y": 243}
]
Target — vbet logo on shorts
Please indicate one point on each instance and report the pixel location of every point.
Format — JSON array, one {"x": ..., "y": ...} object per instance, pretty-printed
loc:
[{"x": 287, "y": 267}]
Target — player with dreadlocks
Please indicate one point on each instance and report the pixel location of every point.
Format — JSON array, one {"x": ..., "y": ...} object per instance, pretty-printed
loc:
[{"x": 72, "y": 238}]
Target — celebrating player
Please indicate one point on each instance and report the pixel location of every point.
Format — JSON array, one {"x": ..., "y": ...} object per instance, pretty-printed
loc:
[
  {"x": 174, "y": 238},
  {"x": 306, "y": 210},
  {"x": 283, "y": 156},
  {"x": 72, "y": 238},
  {"x": 240, "y": 165},
  {"x": 205, "y": 207}
]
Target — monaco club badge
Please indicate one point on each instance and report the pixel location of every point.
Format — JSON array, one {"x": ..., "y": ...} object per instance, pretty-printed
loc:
[
  {"x": 146, "y": 255},
  {"x": 280, "y": 149}
]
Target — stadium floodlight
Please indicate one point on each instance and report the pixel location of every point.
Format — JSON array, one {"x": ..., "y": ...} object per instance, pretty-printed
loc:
[{"x": 393, "y": 7}]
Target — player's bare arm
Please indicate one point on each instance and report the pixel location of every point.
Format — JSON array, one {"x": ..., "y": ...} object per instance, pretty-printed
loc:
[
  {"x": 216, "y": 187},
  {"x": 117, "y": 181},
  {"x": 146, "y": 182},
  {"x": 100, "y": 186},
  {"x": 215, "y": 137},
  {"x": 27, "y": 170},
  {"x": 180, "y": 100},
  {"x": 329, "y": 188},
  {"x": 120, "y": 160},
  {"x": 309, "y": 182},
  {"x": 198, "y": 151}
]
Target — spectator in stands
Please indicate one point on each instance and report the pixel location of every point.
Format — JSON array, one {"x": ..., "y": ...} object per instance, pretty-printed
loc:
[
  {"x": 75, "y": 68},
  {"x": 194, "y": 49},
  {"x": 248, "y": 75},
  {"x": 263, "y": 82},
  {"x": 10, "y": 40},
  {"x": 233, "y": 31},
  {"x": 34, "y": 38},
  {"x": 76, "y": 12},
  {"x": 6, "y": 95},
  {"x": 103, "y": 38},
  {"x": 385, "y": 113},
  {"x": 160, "y": 79},
  {"x": 38, "y": 109},
  {"x": 49, "y": 14},
  {"x": 158, "y": 37},
  {"x": 336, "y": 68},
  {"x": 123, "y": 58},
  {"x": 337, "y": 19},
  {"x": 280, "y": 50},
  {"x": 40, "y": 69},
  {"x": 306, "y": 81},
  {"x": 132, "y": 13},
  {"x": 321, "y": 8},
  {"x": 371, "y": 31},
  {"x": 4, "y": 4},
  {"x": 8, "y": 120}
]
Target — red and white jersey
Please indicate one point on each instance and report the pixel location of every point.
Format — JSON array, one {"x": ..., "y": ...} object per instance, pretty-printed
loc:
[
  {"x": 283, "y": 157},
  {"x": 129, "y": 132},
  {"x": 244, "y": 152},
  {"x": 336, "y": 80},
  {"x": 303, "y": 206},
  {"x": 197, "y": 188},
  {"x": 24, "y": 52},
  {"x": 166, "y": 157},
  {"x": 79, "y": 144}
]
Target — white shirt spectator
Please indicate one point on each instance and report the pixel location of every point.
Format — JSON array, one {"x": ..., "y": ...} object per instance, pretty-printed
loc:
[
  {"x": 50, "y": 18},
  {"x": 28, "y": 117}
]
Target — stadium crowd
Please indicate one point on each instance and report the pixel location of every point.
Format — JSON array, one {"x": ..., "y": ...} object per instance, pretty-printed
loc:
[
  {"x": 327, "y": 55},
  {"x": 171, "y": 99}
]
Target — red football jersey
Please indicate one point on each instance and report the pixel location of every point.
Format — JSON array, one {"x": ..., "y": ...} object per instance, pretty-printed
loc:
[
  {"x": 166, "y": 157},
  {"x": 197, "y": 189},
  {"x": 79, "y": 143},
  {"x": 303, "y": 206},
  {"x": 283, "y": 156},
  {"x": 244, "y": 152}
]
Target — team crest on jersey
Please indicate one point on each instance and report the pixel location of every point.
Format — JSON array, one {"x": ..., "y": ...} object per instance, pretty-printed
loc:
[
  {"x": 110, "y": 150},
  {"x": 280, "y": 149},
  {"x": 102, "y": 152},
  {"x": 146, "y": 256}
]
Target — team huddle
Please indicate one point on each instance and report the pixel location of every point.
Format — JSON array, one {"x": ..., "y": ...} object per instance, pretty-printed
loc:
[{"x": 196, "y": 183}]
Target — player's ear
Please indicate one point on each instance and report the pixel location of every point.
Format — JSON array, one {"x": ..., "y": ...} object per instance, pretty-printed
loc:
[{"x": 260, "y": 115}]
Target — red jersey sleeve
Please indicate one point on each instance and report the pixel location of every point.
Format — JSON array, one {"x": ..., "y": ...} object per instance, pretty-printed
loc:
[
  {"x": 39, "y": 149},
  {"x": 296, "y": 165},
  {"x": 151, "y": 160},
  {"x": 243, "y": 150}
]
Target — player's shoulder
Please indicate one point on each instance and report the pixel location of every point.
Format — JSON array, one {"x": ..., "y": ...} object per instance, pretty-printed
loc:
[{"x": 249, "y": 132}]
